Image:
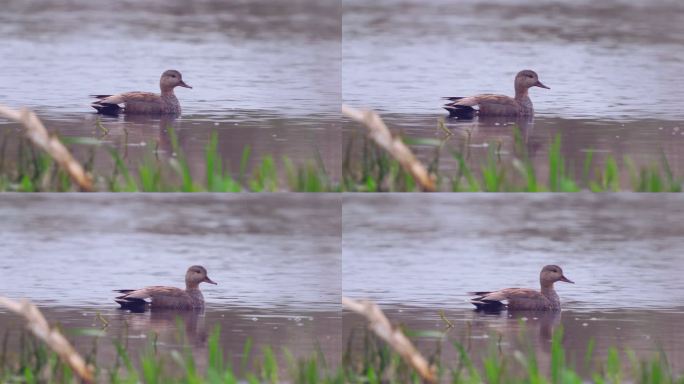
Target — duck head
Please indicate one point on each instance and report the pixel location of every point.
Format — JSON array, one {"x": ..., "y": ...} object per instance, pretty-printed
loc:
[
  {"x": 195, "y": 275},
  {"x": 171, "y": 79},
  {"x": 552, "y": 273},
  {"x": 527, "y": 79}
]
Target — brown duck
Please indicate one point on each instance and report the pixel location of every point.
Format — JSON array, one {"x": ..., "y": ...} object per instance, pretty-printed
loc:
[
  {"x": 498, "y": 105},
  {"x": 523, "y": 298},
  {"x": 144, "y": 102},
  {"x": 168, "y": 297}
]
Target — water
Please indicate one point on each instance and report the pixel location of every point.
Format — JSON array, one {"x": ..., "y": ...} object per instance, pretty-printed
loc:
[
  {"x": 417, "y": 255},
  {"x": 614, "y": 69},
  {"x": 276, "y": 261},
  {"x": 265, "y": 74}
]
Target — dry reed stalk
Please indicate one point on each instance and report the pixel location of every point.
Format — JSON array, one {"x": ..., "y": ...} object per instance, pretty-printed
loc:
[
  {"x": 39, "y": 136},
  {"x": 393, "y": 336},
  {"x": 381, "y": 135},
  {"x": 37, "y": 324}
]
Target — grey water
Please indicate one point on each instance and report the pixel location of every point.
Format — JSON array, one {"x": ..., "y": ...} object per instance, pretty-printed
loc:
[
  {"x": 264, "y": 75},
  {"x": 276, "y": 262},
  {"x": 614, "y": 69},
  {"x": 419, "y": 255}
]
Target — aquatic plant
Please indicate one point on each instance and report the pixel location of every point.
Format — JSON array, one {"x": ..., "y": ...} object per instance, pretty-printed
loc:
[
  {"x": 384, "y": 356},
  {"x": 368, "y": 167},
  {"x": 40, "y": 138},
  {"x": 44, "y": 162},
  {"x": 33, "y": 170},
  {"x": 373, "y": 362}
]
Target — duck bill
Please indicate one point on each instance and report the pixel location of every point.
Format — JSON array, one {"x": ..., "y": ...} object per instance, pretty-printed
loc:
[
  {"x": 210, "y": 281},
  {"x": 540, "y": 85},
  {"x": 563, "y": 278},
  {"x": 182, "y": 84}
]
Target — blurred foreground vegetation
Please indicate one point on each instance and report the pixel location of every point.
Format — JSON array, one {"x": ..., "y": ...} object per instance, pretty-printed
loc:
[
  {"x": 368, "y": 168},
  {"x": 373, "y": 362},
  {"x": 32, "y": 170}
]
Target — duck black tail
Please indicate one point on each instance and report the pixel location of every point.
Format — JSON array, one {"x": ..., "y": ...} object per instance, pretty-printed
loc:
[
  {"x": 133, "y": 305},
  {"x": 489, "y": 306},
  {"x": 105, "y": 108},
  {"x": 130, "y": 303},
  {"x": 459, "y": 111}
]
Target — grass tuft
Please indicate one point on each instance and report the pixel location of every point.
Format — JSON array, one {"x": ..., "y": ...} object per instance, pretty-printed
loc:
[
  {"x": 370, "y": 169},
  {"x": 31, "y": 170}
]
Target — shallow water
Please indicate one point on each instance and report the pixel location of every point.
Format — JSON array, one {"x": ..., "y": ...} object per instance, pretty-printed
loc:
[
  {"x": 265, "y": 74},
  {"x": 641, "y": 143},
  {"x": 301, "y": 332},
  {"x": 614, "y": 70},
  {"x": 418, "y": 255},
  {"x": 644, "y": 332},
  {"x": 276, "y": 262}
]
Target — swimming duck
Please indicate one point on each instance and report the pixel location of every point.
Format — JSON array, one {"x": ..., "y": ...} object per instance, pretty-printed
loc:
[
  {"x": 523, "y": 298},
  {"x": 168, "y": 297},
  {"x": 498, "y": 105},
  {"x": 144, "y": 102}
]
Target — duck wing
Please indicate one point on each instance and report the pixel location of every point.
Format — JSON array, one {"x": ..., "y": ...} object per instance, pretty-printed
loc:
[
  {"x": 496, "y": 298},
  {"x": 141, "y": 102},
  {"x": 462, "y": 107},
  {"x": 128, "y": 97},
  {"x": 489, "y": 105},
  {"x": 480, "y": 100},
  {"x": 156, "y": 294},
  {"x": 509, "y": 294},
  {"x": 513, "y": 298},
  {"x": 151, "y": 292}
]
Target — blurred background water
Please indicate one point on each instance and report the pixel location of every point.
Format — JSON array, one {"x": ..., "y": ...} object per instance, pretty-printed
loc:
[
  {"x": 614, "y": 69},
  {"x": 417, "y": 255},
  {"x": 276, "y": 260},
  {"x": 264, "y": 74}
]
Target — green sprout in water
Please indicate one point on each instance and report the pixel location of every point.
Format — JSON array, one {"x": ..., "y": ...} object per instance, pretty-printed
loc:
[{"x": 367, "y": 168}]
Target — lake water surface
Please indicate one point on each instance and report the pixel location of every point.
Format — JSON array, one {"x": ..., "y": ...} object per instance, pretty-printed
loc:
[
  {"x": 614, "y": 69},
  {"x": 276, "y": 261},
  {"x": 418, "y": 255},
  {"x": 264, "y": 74}
]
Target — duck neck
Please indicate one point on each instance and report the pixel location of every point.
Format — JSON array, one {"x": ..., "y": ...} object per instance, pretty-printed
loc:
[
  {"x": 189, "y": 286},
  {"x": 167, "y": 92},
  {"x": 548, "y": 291},
  {"x": 521, "y": 94},
  {"x": 524, "y": 101}
]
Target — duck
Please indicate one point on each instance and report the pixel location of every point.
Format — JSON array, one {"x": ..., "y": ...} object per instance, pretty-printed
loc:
[
  {"x": 523, "y": 298},
  {"x": 144, "y": 102},
  {"x": 498, "y": 105},
  {"x": 168, "y": 297}
]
